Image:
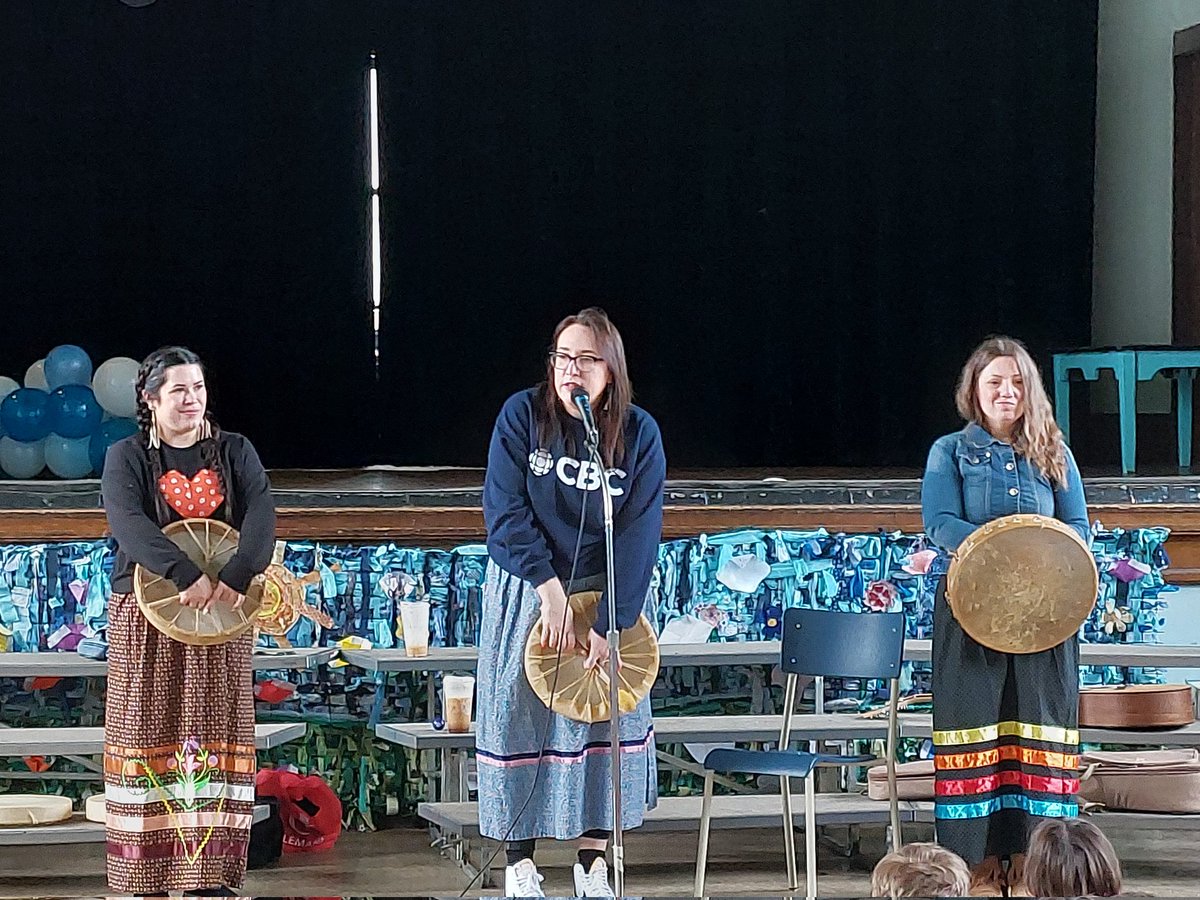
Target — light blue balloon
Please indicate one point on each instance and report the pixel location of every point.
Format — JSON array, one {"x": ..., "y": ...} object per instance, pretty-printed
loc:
[
  {"x": 68, "y": 457},
  {"x": 68, "y": 364},
  {"x": 21, "y": 459}
]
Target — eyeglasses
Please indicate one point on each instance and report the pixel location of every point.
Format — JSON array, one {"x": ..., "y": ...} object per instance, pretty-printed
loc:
[{"x": 585, "y": 364}]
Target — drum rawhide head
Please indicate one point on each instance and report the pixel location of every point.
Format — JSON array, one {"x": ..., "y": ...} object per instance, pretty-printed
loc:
[
  {"x": 1022, "y": 583},
  {"x": 210, "y": 545},
  {"x": 582, "y": 694}
]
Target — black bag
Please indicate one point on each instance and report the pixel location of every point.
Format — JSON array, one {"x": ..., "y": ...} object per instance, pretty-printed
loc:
[{"x": 266, "y": 837}]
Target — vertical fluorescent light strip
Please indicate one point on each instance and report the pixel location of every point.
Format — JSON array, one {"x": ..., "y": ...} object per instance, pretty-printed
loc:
[
  {"x": 376, "y": 262},
  {"x": 376, "y": 255}
]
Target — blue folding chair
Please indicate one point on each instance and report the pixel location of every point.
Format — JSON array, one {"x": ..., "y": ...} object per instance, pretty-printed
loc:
[{"x": 816, "y": 642}]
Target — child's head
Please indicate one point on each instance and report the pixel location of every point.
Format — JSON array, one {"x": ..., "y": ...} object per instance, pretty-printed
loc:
[
  {"x": 920, "y": 870},
  {"x": 1071, "y": 858}
]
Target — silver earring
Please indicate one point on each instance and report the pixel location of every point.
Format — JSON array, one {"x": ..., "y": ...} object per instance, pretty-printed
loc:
[{"x": 154, "y": 439}]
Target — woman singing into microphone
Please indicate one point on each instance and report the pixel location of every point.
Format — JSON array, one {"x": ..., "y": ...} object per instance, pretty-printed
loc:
[{"x": 539, "y": 480}]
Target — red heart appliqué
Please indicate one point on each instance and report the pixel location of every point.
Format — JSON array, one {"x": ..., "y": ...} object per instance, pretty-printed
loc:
[{"x": 193, "y": 498}]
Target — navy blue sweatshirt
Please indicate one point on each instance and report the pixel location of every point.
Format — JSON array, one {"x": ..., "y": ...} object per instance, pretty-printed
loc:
[{"x": 532, "y": 497}]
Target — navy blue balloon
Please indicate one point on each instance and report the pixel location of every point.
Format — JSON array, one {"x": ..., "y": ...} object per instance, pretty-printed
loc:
[
  {"x": 68, "y": 364},
  {"x": 74, "y": 411},
  {"x": 105, "y": 436},
  {"x": 25, "y": 415}
]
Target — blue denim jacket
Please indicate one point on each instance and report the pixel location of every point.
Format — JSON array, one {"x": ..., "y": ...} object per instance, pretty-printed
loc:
[{"x": 972, "y": 478}]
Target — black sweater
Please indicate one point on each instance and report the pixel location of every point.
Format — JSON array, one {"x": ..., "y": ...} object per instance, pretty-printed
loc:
[{"x": 130, "y": 495}]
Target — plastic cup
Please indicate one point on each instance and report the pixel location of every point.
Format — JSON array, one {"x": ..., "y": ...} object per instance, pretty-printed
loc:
[
  {"x": 414, "y": 618},
  {"x": 458, "y": 693}
]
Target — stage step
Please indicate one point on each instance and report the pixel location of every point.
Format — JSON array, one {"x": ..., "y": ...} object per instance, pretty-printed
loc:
[{"x": 683, "y": 813}]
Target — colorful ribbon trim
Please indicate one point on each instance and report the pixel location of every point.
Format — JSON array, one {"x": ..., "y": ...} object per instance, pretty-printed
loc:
[
  {"x": 1049, "y": 809},
  {"x": 1010, "y": 753},
  {"x": 985, "y": 784},
  {"x": 1047, "y": 733}
]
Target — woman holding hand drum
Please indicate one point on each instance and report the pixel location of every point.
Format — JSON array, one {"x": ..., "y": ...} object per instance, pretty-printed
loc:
[
  {"x": 1005, "y": 724},
  {"x": 179, "y": 757},
  {"x": 538, "y": 482}
]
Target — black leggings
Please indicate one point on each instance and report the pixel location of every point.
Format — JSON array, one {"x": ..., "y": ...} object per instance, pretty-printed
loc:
[{"x": 516, "y": 851}]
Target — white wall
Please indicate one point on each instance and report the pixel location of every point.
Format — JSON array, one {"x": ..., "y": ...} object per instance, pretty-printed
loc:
[{"x": 1131, "y": 276}]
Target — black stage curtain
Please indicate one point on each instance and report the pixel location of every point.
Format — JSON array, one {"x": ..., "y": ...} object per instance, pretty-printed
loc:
[
  {"x": 801, "y": 215},
  {"x": 193, "y": 172}
]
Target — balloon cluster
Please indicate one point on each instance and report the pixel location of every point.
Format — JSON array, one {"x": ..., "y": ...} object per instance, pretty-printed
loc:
[{"x": 65, "y": 417}]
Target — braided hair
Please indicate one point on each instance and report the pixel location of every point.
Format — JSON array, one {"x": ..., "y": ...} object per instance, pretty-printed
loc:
[{"x": 151, "y": 376}]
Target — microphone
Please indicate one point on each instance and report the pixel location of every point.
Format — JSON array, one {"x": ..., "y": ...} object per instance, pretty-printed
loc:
[{"x": 580, "y": 398}]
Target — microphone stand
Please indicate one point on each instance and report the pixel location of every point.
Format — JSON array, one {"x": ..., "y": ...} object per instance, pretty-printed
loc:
[{"x": 614, "y": 639}]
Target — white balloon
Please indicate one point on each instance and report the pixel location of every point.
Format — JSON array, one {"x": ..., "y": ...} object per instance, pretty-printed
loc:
[
  {"x": 113, "y": 385},
  {"x": 35, "y": 376},
  {"x": 68, "y": 457},
  {"x": 22, "y": 460}
]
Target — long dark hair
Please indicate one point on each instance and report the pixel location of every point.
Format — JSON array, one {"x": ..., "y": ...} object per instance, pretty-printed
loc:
[
  {"x": 1071, "y": 858},
  {"x": 151, "y": 376},
  {"x": 612, "y": 409}
]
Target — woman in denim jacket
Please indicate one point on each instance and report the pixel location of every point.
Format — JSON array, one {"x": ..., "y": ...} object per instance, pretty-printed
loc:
[{"x": 1005, "y": 736}]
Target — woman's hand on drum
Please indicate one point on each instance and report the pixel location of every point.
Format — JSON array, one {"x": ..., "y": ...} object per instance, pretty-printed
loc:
[
  {"x": 223, "y": 593},
  {"x": 198, "y": 594},
  {"x": 597, "y": 654},
  {"x": 558, "y": 620}
]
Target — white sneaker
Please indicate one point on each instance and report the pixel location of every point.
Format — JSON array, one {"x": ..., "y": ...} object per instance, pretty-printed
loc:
[
  {"x": 593, "y": 883},
  {"x": 523, "y": 880}
]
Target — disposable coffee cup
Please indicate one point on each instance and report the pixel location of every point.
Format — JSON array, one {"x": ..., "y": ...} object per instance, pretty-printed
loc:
[{"x": 458, "y": 693}]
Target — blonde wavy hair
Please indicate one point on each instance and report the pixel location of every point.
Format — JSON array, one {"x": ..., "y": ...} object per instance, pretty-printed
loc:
[
  {"x": 1036, "y": 435},
  {"x": 920, "y": 870}
]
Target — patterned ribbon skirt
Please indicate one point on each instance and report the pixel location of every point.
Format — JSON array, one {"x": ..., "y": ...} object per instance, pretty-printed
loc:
[{"x": 179, "y": 761}]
